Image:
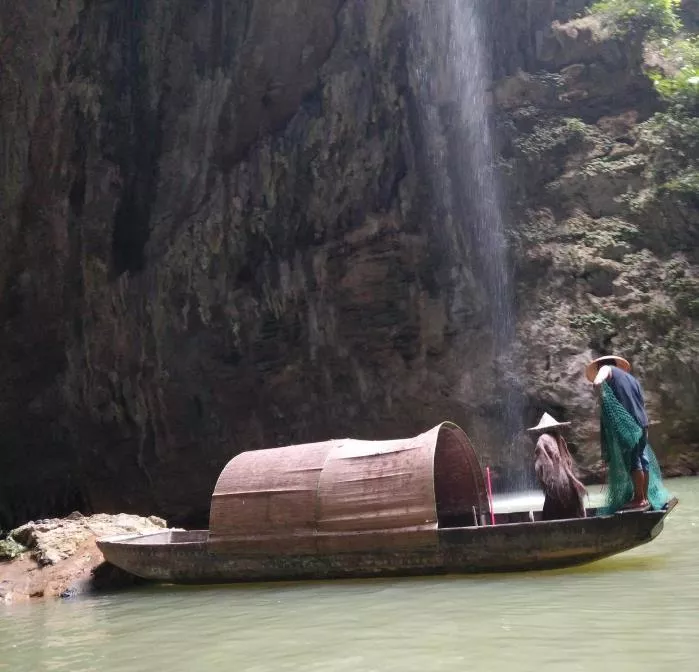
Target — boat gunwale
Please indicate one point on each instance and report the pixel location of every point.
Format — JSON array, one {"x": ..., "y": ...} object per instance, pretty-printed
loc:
[
  {"x": 460, "y": 550},
  {"x": 523, "y": 523},
  {"x": 121, "y": 539},
  {"x": 142, "y": 540}
]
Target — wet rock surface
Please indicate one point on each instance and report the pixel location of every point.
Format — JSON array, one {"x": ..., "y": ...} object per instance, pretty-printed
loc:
[{"x": 59, "y": 557}]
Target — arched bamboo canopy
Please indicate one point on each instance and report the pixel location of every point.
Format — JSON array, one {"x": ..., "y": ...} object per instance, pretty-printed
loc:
[{"x": 348, "y": 495}]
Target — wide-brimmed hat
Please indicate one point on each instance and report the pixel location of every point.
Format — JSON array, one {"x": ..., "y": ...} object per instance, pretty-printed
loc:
[
  {"x": 592, "y": 368},
  {"x": 548, "y": 422}
]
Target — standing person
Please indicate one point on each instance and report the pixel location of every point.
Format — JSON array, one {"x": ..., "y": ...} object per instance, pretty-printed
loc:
[
  {"x": 616, "y": 373},
  {"x": 553, "y": 464}
]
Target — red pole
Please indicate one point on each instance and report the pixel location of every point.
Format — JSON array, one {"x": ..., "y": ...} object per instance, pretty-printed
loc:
[{"x": 490, "y": 496}]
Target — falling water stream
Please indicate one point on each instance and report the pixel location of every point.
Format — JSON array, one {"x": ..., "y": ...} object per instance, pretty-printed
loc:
[
  {"x": 470, "y": 64},
  {"x": 468, "y": 170}
]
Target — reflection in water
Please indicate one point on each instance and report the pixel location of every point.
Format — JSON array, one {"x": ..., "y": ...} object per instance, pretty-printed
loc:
[{"x": 633, "y": 612}]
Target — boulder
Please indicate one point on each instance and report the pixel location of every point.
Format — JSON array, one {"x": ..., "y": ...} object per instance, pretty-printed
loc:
[{"x": 54, "y": 557}]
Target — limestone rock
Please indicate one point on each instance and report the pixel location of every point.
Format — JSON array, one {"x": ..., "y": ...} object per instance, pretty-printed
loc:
[
  {"x": 53, "y": 540},
  {"x": 62, "y": 555},
  {"x": 605, "y": 263}
]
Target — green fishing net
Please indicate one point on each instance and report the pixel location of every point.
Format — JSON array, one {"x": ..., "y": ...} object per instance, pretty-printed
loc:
[{"x": 620, "y": 434}]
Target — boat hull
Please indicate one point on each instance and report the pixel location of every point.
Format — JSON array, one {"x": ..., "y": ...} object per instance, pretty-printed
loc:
[{"x": 187, "y": 557}]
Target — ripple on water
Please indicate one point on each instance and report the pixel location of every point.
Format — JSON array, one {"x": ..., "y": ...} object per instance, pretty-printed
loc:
[{"x": 633, "y": 612}]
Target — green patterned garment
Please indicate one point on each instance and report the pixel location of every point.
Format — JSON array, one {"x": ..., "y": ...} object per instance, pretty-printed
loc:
[{"x": 620, "y": 434}]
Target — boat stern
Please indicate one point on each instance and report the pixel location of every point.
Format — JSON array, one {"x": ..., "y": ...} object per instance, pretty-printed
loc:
[{"x": 154, "y": 556}]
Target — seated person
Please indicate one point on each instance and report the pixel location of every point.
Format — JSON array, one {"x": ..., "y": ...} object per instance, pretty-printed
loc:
[{"x": 554, "y": 469}]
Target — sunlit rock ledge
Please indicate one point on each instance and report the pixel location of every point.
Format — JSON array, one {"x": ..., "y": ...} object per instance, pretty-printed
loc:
[{"x": 59, "y": 557}]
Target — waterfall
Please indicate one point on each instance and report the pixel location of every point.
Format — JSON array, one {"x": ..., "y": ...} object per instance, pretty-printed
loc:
[{"x": 455, "y": 54}]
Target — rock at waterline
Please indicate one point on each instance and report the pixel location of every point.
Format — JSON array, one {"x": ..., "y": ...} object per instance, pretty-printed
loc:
[{"x": 59, "y": 556}]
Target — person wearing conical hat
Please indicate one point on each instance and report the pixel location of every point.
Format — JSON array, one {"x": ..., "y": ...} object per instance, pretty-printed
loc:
[
  {"x": 615, "y": 371},
  {"x": 553, "y": 463}
]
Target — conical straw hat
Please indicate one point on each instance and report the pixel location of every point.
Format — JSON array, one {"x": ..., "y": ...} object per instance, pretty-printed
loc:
[
  {"x": 548, "y": 422},
  {"x": 591, "y": 368}
]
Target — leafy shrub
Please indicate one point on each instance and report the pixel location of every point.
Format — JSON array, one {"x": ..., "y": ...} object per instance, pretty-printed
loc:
[
  {"x": 598, "y": 328},
  {"x": 686, "y": 184},
  {"x": 555, "y": 137},
  {"x": 681, "y": 86},
  {"x": 655, "y": 17},
  {"x": 672, "y": 139},
  {"x": 10, "y": 549},
  {"x": 592, "y": 323}
]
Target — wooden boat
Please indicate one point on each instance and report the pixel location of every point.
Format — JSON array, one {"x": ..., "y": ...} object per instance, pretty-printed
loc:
[{"x": 350, "y": 508}]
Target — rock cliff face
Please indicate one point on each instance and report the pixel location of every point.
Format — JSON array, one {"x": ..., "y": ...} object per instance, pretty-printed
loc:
[
  {"x": 219, "y": 231},
  {"x": 605, "y": 230}
]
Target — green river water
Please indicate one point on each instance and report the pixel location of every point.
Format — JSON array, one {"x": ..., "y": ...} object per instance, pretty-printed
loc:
[{"x": 637, "y": 611}]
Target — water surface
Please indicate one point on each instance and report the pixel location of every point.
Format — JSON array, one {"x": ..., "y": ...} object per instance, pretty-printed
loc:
[{"x": 638, "y": 611}]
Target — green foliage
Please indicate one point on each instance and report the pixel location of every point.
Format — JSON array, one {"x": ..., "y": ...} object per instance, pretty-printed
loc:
[
  {"x": 675, "y": 130},
  {"x": 676, "y": 269},
  {"x": 689, "y": 307},
  {"x": 593, "y": 324},
  {"x": 613, "y": 166},
  {"x": 659, "y": 318},
  {"x": 552, "y": 138},
  {"x": 610, "y": 237},
  {"x": 685, "y": 184},
  {"x": 682, "y": 287},
  {"x": 672, "y": 139},
  {"x": 677, "y": 80},
  {"x": 654, "y": 17},
  {"x": 576, "y": 126},
  {"x": 10, "y": 549},
  {"x": 679, "y": 85}
]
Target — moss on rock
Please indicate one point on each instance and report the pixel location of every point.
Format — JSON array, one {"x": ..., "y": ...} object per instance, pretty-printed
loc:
[
  {"x": 607, "y": 232},
  {"x": 10, "y": 549}
]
